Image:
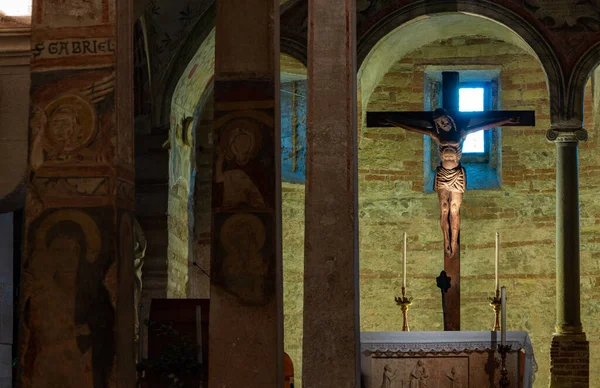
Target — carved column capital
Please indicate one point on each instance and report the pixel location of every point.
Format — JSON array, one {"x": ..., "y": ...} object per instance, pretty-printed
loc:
[{"x": 570, "y": 135}]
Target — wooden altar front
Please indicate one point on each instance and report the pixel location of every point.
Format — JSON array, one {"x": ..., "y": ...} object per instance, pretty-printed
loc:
[{"x": 459, "y": 359}]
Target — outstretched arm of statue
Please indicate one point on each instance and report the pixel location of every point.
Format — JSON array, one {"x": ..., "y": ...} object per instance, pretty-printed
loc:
[
  {"x": 489, "y": 125},
  {"x": 424, "y": 131}
]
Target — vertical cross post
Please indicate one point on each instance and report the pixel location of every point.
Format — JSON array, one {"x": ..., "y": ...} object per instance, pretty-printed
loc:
[
  {"x": 450, "y": 92},
  {"x": 450, "y": 82}
]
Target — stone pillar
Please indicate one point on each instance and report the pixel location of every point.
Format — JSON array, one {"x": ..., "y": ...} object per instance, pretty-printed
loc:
[
  {"x": 569, "y": 353},
  {"x": 15, "y": 52},
  {"x": 6, "y": 298},
  {"x": 77, "y": 307},
  {"x": 246, "y": 296},
  {"x": 331, "y": 319}
]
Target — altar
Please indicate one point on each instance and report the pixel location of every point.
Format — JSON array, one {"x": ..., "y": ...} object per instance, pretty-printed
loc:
[{"x": 459, "y": 359}]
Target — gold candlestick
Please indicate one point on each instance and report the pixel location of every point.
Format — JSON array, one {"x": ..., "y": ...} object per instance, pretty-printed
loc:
[
  {"x": 404, "y": 304},
  {"x": 496, "y": 304}
]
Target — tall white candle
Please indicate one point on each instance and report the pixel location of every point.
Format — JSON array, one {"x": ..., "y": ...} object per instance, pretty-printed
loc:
[
  {"x": 503, "y": 298},
  {"x": 497, "y": 257},
  {"x": 404, "y": 263}
]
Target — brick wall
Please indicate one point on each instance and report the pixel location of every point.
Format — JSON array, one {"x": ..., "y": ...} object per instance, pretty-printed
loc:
[
  {"x": 292, "y": 197},
  {"x": 391, "y": 200},
  {"x": 569, "y": 365},
  {"x": 178, "y": 252},
  {"x": 523, "y": 210}
]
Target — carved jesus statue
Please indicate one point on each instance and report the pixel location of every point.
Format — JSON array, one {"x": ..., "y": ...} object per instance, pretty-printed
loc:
[{"x": 450, "y": 178}]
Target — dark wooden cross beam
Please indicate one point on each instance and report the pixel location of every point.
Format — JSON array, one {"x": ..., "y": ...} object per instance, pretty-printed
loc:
[
  {"x": 462, "y": 123},
  {"x": 450, "y": 102}
]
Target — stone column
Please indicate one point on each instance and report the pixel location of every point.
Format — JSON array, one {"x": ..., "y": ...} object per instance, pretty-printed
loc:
[
  {"x": 15, "y": 48},
  {"x": 77, "y": 307},
  {"x": 246, "y": 315},
  {"x": 331, "y": 318},
  {"x": 6, "y": 298},
  {"x": 569, "y": 352}
]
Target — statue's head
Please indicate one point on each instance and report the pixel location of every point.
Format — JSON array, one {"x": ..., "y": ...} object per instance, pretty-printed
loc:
[{"x": 443, "y": 121}]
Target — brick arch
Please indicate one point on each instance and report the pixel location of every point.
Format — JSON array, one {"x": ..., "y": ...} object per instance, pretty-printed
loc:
[
  {"x": 204, "y": 26},
  {"x": 577, "y": 83},
  {"x": 403, "y": 16},
  {"x": 295, "y": 49}
]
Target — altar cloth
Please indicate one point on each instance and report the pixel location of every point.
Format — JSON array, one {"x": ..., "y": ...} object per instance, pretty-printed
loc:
[{"x": 449, "y": 342}]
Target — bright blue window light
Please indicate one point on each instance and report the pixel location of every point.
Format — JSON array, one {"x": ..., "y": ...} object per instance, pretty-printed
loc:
[{"x": 471, "y": 100}]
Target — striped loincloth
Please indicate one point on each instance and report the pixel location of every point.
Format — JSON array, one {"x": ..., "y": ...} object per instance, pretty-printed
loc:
[{"x": 453, "y": 180}]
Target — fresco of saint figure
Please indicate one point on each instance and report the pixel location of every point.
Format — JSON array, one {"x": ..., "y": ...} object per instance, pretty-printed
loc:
[
  {"x": 63, "y": 125},
  {"x": 240, "y": 142},
  {"x": 59, "y": 281}
]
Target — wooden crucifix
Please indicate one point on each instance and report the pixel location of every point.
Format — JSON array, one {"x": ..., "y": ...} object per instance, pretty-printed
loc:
[{"x": 448, "y": 127}]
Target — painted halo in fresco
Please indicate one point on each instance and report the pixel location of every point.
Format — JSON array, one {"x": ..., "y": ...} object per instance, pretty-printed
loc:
[
  {"x": 70, "y": 123},
  {"x": 87, "y": 224},
  {"x": 241, "y": 139}
]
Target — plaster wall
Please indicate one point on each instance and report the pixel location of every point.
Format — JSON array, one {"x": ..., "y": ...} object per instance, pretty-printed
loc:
[{"x": 392, "y": 200}]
